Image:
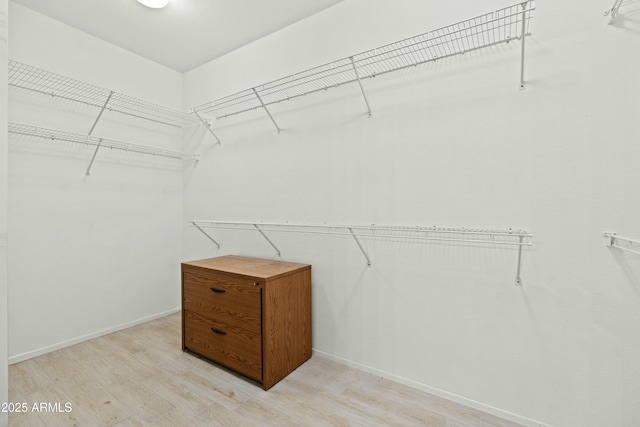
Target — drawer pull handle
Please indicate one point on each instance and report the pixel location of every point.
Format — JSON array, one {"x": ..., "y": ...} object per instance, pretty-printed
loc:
[
  {"x": 218, "y": 291},
  {"x": 218, "y": 331}
]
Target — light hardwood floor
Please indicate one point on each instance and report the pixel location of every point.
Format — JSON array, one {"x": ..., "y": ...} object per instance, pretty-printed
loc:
[{"x": 141, "y": 377}]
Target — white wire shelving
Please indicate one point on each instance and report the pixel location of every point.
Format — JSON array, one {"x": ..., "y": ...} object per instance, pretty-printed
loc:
[
  {"x": 91, "y": 141},
  {"x": 627, "y": 243},
  {"x": 517, "y": 238},
  {"x": 491, "y": 29},
  {"x": 35, "y": 79}
]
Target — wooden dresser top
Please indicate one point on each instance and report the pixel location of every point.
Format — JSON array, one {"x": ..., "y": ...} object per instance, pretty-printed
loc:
[{"x": 246, "y": 266}]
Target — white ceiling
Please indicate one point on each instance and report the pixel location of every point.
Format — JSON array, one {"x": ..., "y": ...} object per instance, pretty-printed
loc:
[{"x": 186, "y": 33}]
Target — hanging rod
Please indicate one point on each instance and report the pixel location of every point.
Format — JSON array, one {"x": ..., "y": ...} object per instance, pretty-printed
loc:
[
  {"x": 56, "y": 135},
  {"x": 509, "y": 237},
  {"x": 613, "y": 242},
  {"x": 613, "y": 11},
  {"x": 501, "y": 26},
  {"x": 55, "y": 85}
]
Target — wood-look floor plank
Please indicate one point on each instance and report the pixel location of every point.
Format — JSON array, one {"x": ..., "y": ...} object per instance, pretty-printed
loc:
[
  {"x": 145, "y": 403},
  {"x": 141, "y": 377},
  {"x": 27, "y": 378},
  {"x": 263, "y": 414},
  {"x": 217, "y": 415},
  {"x": 304, "y": 411},
  {"x": 216, "y": 389},
  {"x": 105, "y": 408}
]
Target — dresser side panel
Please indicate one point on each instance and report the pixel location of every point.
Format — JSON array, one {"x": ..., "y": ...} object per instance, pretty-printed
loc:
[{"x": 286, "y": 325}]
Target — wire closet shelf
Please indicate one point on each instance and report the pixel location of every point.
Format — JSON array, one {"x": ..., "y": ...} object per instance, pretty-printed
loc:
[
  {"x": 518, "y": 238},
  {"x": 55, "y": 85},
  {"x": 57, "y": 135},
  {"x": 623, "y": 243},
  {"x": 501, "y": 26}
]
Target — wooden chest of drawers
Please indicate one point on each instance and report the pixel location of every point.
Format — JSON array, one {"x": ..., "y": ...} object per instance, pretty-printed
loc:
[{"x": 248, "y": 314}]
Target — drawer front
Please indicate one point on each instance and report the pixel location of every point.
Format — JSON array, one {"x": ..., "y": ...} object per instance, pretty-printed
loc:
[
  {"x": 224, "y": 300},
  {"x": 225, "y": 344},
  {"x": 219, "y": 278}
]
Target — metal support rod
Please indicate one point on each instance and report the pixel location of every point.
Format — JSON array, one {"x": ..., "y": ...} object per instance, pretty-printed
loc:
[
  {"x": 94, "y": 156},
  {"x": 95, "y": 152},
  {"x": 364, "y": 95},
  {"x": 518, "y": 279},
  {"x": 100, "y": 113},
  {"x": 265, "y": 108},
  {"x": 360, "y": 246},
  {"x": 268, "y": 240},
  {"x": 205, "y": 233},
  {"x": 522, "y": 37},
  {"x": 208, "y": 126}
]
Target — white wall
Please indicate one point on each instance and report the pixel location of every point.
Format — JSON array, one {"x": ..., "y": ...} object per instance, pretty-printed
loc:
[
  {"x": 92, "y": 254},
  {"x": 455, "y": 144},
  {"x": 4, "y": 374}
]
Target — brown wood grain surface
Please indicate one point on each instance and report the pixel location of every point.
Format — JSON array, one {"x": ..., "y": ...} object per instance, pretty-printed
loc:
[
  {"x": 237, "y": 348},
  {"x": 236, "y": 304},
  {"x": 249, "y": 302}
]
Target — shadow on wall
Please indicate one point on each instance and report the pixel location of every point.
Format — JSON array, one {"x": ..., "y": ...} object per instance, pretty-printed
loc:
[{"x": 629, "y": 264}]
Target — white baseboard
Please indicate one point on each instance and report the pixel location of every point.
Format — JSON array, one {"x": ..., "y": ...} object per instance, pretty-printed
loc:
[
  {"x": 510, "y": 416},
  {"x": 38, "y": 352}
]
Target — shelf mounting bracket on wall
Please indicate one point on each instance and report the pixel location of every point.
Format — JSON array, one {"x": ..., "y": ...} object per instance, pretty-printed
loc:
[
  {"x": 518, "y": 279},
  {"x": 268, "y": 240},
  {"x": 360, "y": 246},
  {"x": 265, "y": 108},
  {"x": 205, "y": 233},
  {"x": 208, "y": 127},
  {"x": 93, "y": 158},
  {"x": 364, "y": 95},
  {"x": 91, "y": 131},
  {"x": 613, "y": 242},
  {"x": 613, "y": 11},
  {"x": 523, "y": 35}
]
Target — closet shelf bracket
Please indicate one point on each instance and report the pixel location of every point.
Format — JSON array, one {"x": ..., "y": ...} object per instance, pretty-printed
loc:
[
  {"x": 100, "y": 113},
  {"x": 268, "y": 240},
  {"x": 360, "y": 246},
  {"x": 614, "y": 242},
  {"x": 265, "y": 108},
  {"x": 522, "y": 38},
  {"x": 613, "y": 11},
  {"x": 364, "y": 95},
  {"x": 520, "y": 243},
  {"x": 95, "y": 152},
  {"x": 93, "y": 158},
  {"x": 207, "y": 126},
  {"x": 205, "y": 233}
]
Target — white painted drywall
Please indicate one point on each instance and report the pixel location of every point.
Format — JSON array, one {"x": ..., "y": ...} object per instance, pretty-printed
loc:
[
  {"x": 89, "y": 255},
  {"x": 453, "y": 144},
  {"x": 4, "y": 373}
]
